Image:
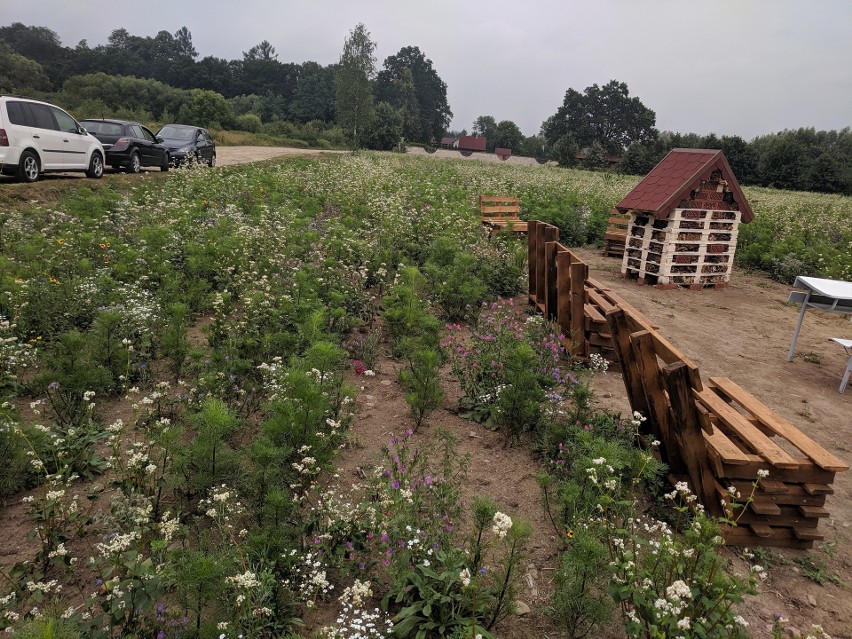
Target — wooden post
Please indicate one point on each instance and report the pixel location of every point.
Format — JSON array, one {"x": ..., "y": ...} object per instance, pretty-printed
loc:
[
  {"x": 539, "y": 263},
  {"x": 658, "y": 405},
  {"x": 579, "y": 273},
  {"x": 563, "y": 293},
  {"x": 550, "y": 251},
  {"x": 620, "y": 332},
  {"x": 689, "y": 435},
  {"x": 531, "y": 238}
]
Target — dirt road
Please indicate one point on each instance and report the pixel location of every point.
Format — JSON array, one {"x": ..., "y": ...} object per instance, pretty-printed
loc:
[{"x": 230, "y": 155}]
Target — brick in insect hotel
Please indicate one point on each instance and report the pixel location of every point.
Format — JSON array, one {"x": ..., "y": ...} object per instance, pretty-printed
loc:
[{"x": 684, "y": 219}]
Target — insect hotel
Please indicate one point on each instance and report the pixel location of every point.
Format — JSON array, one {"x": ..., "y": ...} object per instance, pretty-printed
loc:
[{"x": 684, "y": 218}]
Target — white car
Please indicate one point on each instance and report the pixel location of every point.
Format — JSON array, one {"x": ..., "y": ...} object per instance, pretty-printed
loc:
[{"x": 37, "y": 137}]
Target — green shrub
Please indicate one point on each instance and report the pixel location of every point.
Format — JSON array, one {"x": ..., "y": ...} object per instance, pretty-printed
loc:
[
  {"x": 73, "y": 378},
  {"x": 248, "y": 122},
  {"x": 423, "y": 386}
]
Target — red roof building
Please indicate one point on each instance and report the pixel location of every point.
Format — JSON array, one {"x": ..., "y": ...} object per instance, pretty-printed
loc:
[
  {"x": 471, "y": 143},
  {"x": 502, "y": 152},
  {"x": 684, "y": 220},
  {"x": 676, "y": 177}
]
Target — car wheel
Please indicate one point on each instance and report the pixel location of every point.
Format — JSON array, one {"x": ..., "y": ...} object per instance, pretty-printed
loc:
[
  {"x": 167, "y": 161},
  {"x": 135, "y": 163},
  {"x": 96, "y": 167},
  {"x": 212, "y": 161},
  {"x": 28, "y": 168}
]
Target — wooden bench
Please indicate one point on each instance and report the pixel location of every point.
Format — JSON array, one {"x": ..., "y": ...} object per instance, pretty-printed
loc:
[
  {"x": 615, "y": 238},
  {"x": 500, "y": 212}
]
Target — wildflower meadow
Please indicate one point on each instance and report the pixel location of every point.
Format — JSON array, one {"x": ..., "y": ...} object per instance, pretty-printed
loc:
[{"x": 181, "y": 362}]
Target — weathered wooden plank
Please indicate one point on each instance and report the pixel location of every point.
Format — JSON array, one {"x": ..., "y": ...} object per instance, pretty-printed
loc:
[
  {"x": 593, "y": 314},
  {"x": 763, "y": 507},
  {"x": 563, "y": 294},
  {"x": 704, "y": 419},
  {"x": 654, "y": 387},
  {"x": 817, "y": 489},
  {"x": 727, "y": 451},
  {"x": 773, "y": 487},
  {"x": 599, "y": 300},
  {"x": 750, "y": 435},
  {"x": 539, "y": 262},
  {"x": 794, "y": 495},
  {"x": 600, "y": 339},
  {"x": 508, "y": 199},
  {"x": 629, "y": 368},
  {"x": 777, "y": 537},
  {"x": 579, "y": 273},
  {"x": 806, "y": 471},
  {"x": 787, "y": 517},
  {"x": 498, "y": 209},
  {"x": 813, "y": 511},
  {"x": 761, "y": 530},
  {"x": 778, "y": 424},
  {"x": 550, "y": 252},
  {"x": 691, "y": 438},
  {"x": 808, "y": 534},
  {"x": 532, "y": 237}
]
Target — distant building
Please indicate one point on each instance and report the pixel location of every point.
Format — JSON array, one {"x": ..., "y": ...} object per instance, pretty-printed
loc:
[
  {"x": 503, "y": 153},
  {"x": 471, "y": 143}
]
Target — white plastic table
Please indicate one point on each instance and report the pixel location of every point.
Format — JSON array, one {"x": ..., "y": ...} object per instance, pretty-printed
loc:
[{"x": 833, "y": 296}]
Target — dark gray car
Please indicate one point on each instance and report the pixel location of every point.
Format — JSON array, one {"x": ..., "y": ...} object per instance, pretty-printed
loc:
[{"x": 188, "y": 144}]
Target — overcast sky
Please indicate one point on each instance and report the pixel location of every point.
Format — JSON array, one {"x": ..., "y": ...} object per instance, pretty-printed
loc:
[{"x": 744, "y": 67}]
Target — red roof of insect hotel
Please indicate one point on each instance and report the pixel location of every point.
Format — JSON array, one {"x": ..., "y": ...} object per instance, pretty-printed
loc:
[
  {"x": 471, "y": 143},
  {"x": 675, "y": 178}
]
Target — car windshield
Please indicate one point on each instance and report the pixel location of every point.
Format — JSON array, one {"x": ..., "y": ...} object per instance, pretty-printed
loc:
[
  {"x": 103, "y": 128},
  {"x": 177, "y": 133}
]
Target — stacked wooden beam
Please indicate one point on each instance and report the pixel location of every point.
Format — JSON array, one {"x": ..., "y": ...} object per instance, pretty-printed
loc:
[
  {"x": 720, "y": 437},
  {"x": 744, "y": 436}
]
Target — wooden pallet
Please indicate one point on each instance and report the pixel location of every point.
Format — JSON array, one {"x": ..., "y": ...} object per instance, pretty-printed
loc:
[
  {"x": 501, "y": 212},
  {"x": 692, "y": 248},
  {"x": 615, "y": 236}
]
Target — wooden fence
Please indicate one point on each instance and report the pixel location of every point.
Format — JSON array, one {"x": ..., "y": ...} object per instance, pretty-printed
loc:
[
  {"x": 716, "y": 437},
  {"x": 560, "y": 286}
]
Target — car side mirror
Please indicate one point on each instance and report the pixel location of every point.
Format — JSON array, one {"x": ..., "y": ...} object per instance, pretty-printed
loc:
[{"x": 160, "y": 139}]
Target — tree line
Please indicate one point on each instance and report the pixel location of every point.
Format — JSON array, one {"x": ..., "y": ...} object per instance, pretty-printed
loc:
[
  {"x": 163, "y": 78},
  {"x": 605, "y": 126}
]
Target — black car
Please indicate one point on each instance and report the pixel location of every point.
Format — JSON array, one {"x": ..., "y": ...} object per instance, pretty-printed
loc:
[
  {"x": 129, "y": 145},
  {"x": 188, "y": 144}
]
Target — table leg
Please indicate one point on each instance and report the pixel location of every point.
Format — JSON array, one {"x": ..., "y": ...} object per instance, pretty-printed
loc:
[{"x": 798, "y": 326}]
